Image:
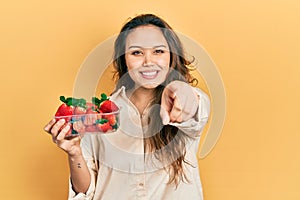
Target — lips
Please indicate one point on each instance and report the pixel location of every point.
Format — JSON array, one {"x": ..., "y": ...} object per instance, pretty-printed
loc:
[{"x": 149, "y": 74}]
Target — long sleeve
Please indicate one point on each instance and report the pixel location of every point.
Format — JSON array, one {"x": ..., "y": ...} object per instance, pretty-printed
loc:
[{"x": 194, "y": 126}]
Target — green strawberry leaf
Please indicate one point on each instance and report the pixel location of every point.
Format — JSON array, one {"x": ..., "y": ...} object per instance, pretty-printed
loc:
[
  {"x": 69, "y": 101},
  {"x": 77, "y": 102},
  {"x": 96, "y": 101},
  {"x": 82, "y": 103},
  {"x": 74, "y": 132},
  {"x": 103, "y": 97},
  {"x": 101, "y": 121},
  {"x": 73, "y": 102},
  {"x": 115, "y": 126},
  {"x": 63, "y": 99}
]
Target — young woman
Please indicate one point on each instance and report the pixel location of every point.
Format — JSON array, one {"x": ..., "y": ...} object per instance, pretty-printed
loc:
[{"x": 153, "y": 153}]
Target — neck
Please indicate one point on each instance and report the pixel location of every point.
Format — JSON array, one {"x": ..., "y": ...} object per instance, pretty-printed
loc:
[{"x": 141, "y": 97}]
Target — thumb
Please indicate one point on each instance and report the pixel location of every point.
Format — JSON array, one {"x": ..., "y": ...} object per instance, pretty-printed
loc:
[{"x": 164, "y": 116}]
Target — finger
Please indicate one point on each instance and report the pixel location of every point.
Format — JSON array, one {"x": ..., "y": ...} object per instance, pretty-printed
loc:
[
  {"x": 190, "y": 110},
  {"x": 164, "y": 116},
  {"x": 56, "y": 127},
  {"x": 48, "y": 127},
  {"x": 62, "y": 134},
  {"x": 190, "y": 106},
  {"x": 166, "y": 106},
  {"x": 166, "y": 102},
  {"x": 176, "y": 112}
]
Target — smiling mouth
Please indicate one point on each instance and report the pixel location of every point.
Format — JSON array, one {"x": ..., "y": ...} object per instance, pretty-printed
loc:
[{"x": 149, "y": 74}]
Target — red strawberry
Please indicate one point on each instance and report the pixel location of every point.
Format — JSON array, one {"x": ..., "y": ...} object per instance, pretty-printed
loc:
[
  {"x": 65, "y": 110},
  {"x": 92, "y": 106},
  {"x": 108, "y": 106},
  {"x": 103, "y": 125},
  {"x": 111, "y": 119},
  {"x": 79, "y": 110},
  {"x": 79, "y": 126},
  {"x": 91, "y": 117},
  {"x": 91, "y": 128}
]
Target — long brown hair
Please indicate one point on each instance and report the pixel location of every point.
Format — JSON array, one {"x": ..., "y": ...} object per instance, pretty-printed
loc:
[{"x": 169, "y": 143}]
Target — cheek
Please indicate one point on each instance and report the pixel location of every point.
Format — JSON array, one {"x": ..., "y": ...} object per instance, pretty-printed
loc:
[
  {"x": 164, "y": 61},
  {"x": 132, "y": 62}
]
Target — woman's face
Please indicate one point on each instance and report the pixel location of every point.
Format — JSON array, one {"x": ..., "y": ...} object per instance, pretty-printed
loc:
[{"x": 147, "y": 56}]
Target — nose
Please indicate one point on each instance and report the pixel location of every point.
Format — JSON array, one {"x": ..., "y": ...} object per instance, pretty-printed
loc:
[{"x": 148, "y": 59}]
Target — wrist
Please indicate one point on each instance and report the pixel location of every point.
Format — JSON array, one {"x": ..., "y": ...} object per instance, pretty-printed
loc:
[{"x": 75, "y": 155}]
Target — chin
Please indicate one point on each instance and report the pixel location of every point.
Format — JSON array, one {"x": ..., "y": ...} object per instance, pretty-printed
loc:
[{"x": 149, "y": 85}]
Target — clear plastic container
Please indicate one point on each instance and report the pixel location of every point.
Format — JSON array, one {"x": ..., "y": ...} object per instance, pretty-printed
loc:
[{"x": 101, "y": 123}]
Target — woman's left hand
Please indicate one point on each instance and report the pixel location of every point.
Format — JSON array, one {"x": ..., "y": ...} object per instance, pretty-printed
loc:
[{"x": 179, "y": 102}]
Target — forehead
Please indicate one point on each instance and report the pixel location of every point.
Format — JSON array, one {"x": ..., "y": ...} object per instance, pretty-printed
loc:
[{"x": 146, "y": 36}]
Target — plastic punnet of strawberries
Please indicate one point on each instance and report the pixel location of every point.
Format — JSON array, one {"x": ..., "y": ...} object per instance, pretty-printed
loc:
[{"x": 98, "y": 116}]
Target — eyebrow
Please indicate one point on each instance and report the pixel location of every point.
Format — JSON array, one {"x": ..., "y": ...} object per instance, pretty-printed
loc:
[{"x": 136, "y": 46}]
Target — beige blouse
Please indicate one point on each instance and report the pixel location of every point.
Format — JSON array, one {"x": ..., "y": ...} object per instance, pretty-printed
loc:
[{"x": 121, "y": 170}]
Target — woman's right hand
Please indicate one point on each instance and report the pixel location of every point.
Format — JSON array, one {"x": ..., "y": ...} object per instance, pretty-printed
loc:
[{"x": 58, "y": 130}]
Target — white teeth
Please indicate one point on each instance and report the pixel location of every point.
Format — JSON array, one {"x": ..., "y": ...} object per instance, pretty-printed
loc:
[{"x": 149, "y": 73}]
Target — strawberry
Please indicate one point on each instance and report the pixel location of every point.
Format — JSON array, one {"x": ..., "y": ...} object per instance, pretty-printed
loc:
[
  {"x": 96, "y": 101},
  {"x": 78, "y": 126},
  {"x": 92, "y": 106},
  {"x": 111, "y": 119},
  {"x": 108, "y": 106},
  {"x": 91, "y": 128},
  {"x": 65, "y": 109},
  {"x": 91, "y": 117},
  {"x": 79, "y": 110},
  {"x": 104, "y": 104},
  {"x": 103, "y": 125}
]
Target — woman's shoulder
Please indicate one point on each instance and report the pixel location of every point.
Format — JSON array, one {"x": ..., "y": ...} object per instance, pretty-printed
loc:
[{"x": 118, "y": 92}]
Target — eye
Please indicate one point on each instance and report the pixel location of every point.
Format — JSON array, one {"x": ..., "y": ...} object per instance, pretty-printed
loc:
[
  {"x": 136, "y": 52},
  {"x": 159, "y": 51}
]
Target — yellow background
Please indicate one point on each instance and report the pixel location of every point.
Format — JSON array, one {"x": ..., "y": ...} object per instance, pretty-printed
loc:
[{"x": 255, "y": 45}]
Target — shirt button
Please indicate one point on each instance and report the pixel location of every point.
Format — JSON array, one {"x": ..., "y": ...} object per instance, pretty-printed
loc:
[{"x": 141, "y": 184}]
